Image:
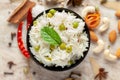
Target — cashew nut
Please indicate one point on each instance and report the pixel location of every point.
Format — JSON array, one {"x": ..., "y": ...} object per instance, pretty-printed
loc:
[
  {"x": 88, "y": 9},
  {"x": 105, "y": 25},
  {"x": 108, "y": 56},
  {"x": 100, "y": 46}
]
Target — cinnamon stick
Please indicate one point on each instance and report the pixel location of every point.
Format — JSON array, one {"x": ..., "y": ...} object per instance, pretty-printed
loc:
[{"x": 20, "y": 12}]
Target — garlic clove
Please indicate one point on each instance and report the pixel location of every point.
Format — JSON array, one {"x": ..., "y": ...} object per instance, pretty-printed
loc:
[
  {"x": 100, "y": 47},
  {"x": 105, "y": 25}
]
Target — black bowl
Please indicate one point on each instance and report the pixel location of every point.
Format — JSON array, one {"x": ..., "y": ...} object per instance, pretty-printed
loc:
[{"x": 53, "y": 68}]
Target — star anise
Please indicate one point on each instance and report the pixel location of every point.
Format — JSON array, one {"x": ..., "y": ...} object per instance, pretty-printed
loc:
[
  {"x": 102, "y": 74},
  {"x": 74, "y": 2}
]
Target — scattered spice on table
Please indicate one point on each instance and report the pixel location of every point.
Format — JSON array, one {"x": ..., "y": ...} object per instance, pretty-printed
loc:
[
  {"x": 102, "y": 74},
  {"x": 8, "y": 73},
  {"x": 13, "y": 35},
  {"x": 34, "y": 73},
  {"x": 11, "y": 64},
  {"x": 9, "y": 44}
]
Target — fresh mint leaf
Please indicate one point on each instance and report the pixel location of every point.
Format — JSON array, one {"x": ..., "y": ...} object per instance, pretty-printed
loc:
[{"x": 50, "y": 35}]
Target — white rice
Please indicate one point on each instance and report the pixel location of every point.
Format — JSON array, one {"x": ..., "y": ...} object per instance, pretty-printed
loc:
[{"x": 59, "y": 57}]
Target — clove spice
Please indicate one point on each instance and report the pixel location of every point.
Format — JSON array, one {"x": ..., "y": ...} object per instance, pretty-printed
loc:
[
  {"x": 13, "y": 34},
  {"x": 10, "y": 64},
  {"x": 8, "y": 73},
  {"x": 34, "y": 73},
  {"x": 9, "y": 44}
]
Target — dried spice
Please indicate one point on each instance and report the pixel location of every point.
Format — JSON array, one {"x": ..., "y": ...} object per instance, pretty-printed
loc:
[
  {"x": 102, "y": 74},
  {"x": 34, "y": 73},
  {"x": 103, "y": 1},
  {"x": 13, "y": 35},
  {"x": 9, "y": 44},
  {"x": 74, "y": 2},
  {"x": 8, "y": 73},
  {"x": 10, "y": 64}
]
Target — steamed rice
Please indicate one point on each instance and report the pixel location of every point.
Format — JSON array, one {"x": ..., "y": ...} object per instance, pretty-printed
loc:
[{"x": 70, "y": 36}]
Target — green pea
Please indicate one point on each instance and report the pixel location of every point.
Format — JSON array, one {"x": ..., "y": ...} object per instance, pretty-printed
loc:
[
  {"x": 69, "y": 49},
  {"x": 35, "y": 23},
  {"x": 52, "y": 11},
  {"x": 62, "y": 46},
  {"x": 49, "y": 15},
  {"x": 75, "y": 24},
  {"x": 52, "y": 47},
  {"x": 48, "y": 58},
  {"x": 62, "y": 27},
  {"x": 37, "y": 48},
  {"x": 70, "y": 62}
]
